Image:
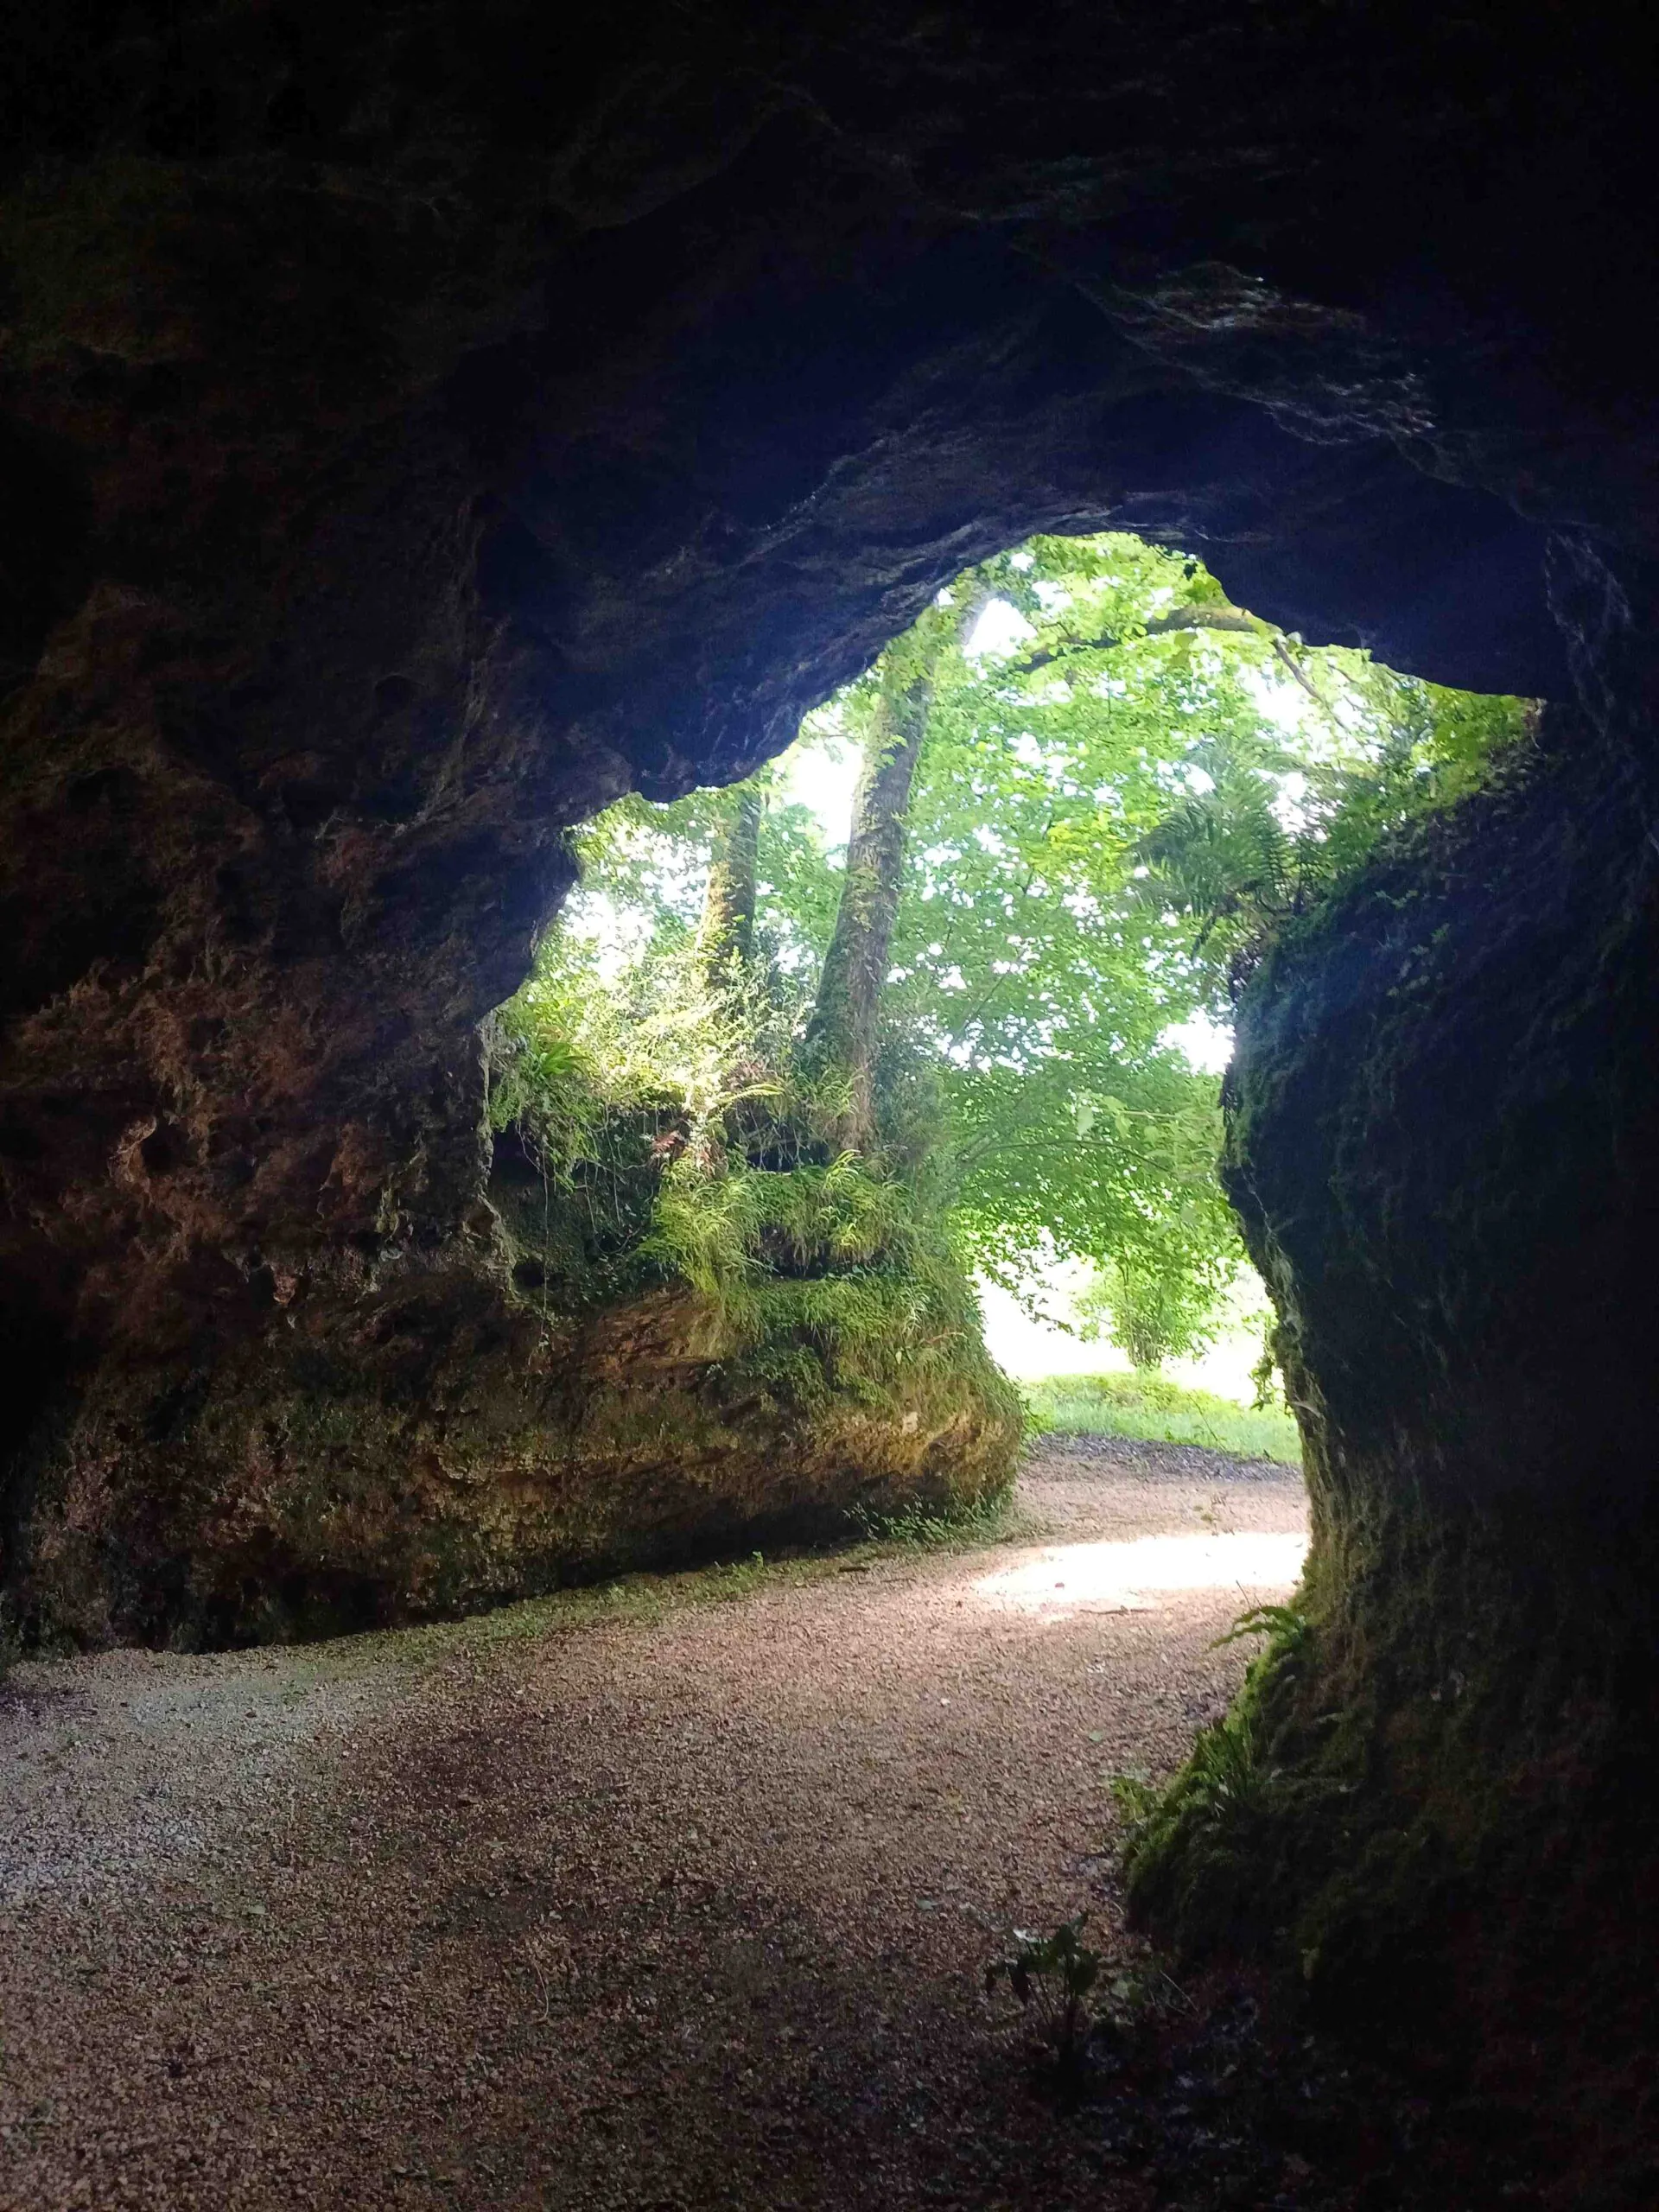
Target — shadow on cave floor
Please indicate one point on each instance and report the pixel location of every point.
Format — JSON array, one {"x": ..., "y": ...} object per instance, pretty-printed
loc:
[{"x": 679, "y": 1908}]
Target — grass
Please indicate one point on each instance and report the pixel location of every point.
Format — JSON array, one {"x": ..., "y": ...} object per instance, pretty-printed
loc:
[
  {"x": 992, "y": 1520},
  {"x": 1148, "y": 1406},
  {"x": 649, "y": 1596}
]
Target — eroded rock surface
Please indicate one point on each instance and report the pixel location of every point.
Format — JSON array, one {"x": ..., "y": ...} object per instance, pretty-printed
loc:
[{"x": 1439, "y": 1116}]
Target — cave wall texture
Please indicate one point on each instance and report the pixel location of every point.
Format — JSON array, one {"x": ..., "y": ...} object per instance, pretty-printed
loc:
[{"x": 420, "y": 424}]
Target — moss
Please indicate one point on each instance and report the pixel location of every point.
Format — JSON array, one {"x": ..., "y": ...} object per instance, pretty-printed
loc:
[
  {"x": 1450, "y": 1753},
  {"x": 307, "y": 1487},
  {"x": 629, "y": 1371}
]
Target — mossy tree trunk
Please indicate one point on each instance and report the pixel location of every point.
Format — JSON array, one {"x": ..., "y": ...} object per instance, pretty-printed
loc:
[
  {"x": 841, "y": 1038},
  {"x": 725, "y": 934}
]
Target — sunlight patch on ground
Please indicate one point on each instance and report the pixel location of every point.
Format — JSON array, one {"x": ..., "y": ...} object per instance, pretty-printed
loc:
[{"x": 1072, "y": 1579}]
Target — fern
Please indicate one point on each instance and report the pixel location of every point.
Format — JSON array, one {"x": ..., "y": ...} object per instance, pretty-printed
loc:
[
  {"x": 1286, "y": 1628},
  {"x": 702, "y": 1231}
]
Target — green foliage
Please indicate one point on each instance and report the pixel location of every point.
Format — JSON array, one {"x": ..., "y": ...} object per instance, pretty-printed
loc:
[
  {"x": 677, "y": 1141},
  {"x": 1285, "y": 1626},
  {"x": 1267, "y": 824},
  {"x": 1154, "y": 1314},
  {"x": 1027, "y": 970},
  {"x": 1109, "y": 817},
  {"x": 1212, "y": 1807},
  {"x": 921, "y": 1529},
  {"x": 1136, "y": 1798},
  {"x": 1207, "y": 1828},
  {"x": 1150, "y": 1406},
  {"x": 843, "y": 1214},
  {"x": 739, "y": 1578},
  {"x": 1052, "y": 1976},
  {"x": 704, "y": 1229}
]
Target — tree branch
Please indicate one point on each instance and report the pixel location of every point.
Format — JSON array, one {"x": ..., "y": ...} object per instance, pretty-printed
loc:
[
  {"x": 1181, "y": 618},
  {"x": 1283, "y": 653}
]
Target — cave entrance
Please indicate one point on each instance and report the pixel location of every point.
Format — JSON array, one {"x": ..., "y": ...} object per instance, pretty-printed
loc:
[
  {"x": 429, "y": 434},
  {"x": 949, "y": 987}
]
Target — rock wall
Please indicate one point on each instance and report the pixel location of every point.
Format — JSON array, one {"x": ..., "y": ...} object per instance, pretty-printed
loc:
[
  {"x": 442, "y": 1447},
  {"x": 1443, "y": 1122}
]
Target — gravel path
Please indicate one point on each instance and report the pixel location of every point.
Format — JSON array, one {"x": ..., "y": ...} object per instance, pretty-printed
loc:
[{"x": 646, "y": 1902}]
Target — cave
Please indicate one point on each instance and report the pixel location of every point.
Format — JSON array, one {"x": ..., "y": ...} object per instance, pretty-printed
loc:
[{"x": 420, "y": 426}]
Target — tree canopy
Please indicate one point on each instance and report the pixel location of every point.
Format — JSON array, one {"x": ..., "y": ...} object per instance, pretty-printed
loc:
[{"x": 1089, "y": 789}]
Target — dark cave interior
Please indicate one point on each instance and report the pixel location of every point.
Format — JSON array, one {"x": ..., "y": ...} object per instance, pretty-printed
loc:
[{"x": 420, "y": 426}]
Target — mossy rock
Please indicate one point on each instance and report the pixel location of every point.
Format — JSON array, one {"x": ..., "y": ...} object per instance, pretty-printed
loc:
[
  {"x": 365, "y": 1461},
  {"x": 1443, "y": 1137}
]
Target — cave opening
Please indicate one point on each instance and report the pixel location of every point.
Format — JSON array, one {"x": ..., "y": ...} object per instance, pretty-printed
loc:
[
  {"x": 1413, "y": 943},
  {"x": 431, "y": 426},
  {"x": 1104, "y": 790}
]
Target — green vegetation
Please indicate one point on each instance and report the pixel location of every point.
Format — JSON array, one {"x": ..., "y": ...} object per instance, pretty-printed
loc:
[
  {"x": 648, "y": 1597},
  {"x": 1153, "y": 1407},
  {"x": 1052, "y": 1976},
  {"x": 1207, "y": 1828},
  {"x": 956, "y": 1528},
  {"x": 818, "y": 1090},
  {"x": 1152, "y": 1313}
]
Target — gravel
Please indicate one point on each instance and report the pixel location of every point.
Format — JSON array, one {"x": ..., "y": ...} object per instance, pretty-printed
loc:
[{"x": 682, "y": 1908}]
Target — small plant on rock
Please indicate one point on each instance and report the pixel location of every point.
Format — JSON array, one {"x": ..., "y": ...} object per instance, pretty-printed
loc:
[{"x": 1227, "y": 1780}]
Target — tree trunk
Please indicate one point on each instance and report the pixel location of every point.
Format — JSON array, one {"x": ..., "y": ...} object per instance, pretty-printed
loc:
[
  {"x": 841, "y": 1037},
  {"x": 725, "y": 934}
]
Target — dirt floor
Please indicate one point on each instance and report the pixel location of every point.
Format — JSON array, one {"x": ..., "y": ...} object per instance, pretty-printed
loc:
[{"x": 636, "y": 1900}]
